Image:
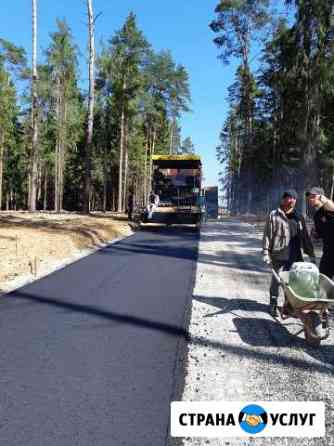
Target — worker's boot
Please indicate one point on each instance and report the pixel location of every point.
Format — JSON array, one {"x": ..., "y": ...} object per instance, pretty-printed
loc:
[{"x": 273, "y": 306}]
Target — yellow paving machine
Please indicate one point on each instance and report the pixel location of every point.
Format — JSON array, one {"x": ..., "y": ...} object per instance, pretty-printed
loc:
[{"x": 175, "y": 196}]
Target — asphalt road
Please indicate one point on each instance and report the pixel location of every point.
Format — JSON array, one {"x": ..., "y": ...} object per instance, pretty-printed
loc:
[{"x": 88, "y": 354}]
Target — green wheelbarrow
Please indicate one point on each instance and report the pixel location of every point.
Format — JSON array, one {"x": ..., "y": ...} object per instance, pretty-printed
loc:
[{"x": 313, "y": 313}]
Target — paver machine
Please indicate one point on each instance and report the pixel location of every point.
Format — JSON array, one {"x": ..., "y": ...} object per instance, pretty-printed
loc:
[{"x": 176, "y": 181}]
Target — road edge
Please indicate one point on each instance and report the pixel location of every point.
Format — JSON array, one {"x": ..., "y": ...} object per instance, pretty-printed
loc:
[{"x": 77, "y": 256}]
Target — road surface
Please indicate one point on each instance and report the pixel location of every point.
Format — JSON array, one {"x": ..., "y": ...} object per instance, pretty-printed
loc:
[{"x": 88, "y": 354}]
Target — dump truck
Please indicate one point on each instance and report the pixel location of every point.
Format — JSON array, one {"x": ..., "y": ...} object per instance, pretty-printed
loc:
[{"x": 211, "y": 200}]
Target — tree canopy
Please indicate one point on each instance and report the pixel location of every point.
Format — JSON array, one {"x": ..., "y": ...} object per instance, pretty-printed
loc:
[{"x": 140, "y": 96}]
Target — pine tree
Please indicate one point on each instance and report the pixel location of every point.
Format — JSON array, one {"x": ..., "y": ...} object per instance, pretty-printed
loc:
[
  {"x": 64, "y": 102},
  {"x": 121, "y": 64},
  {"x": 12, "y": 60},
  {"x": 34, "y": 115}
]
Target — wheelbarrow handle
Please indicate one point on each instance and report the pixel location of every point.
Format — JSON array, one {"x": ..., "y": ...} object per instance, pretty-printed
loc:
[{"x": 277, "y": 277}]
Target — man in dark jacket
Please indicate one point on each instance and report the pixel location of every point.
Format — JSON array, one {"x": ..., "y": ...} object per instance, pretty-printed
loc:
[
  {"x": 131, "y": 199},
  {"x": 324, "y": 225},
  {"x": 285, "y": 237}
]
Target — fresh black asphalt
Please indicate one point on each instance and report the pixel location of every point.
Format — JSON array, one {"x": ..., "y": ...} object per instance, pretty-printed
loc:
[{"x": 88, "y": 354}]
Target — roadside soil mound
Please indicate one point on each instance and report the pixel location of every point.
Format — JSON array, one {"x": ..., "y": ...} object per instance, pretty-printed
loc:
[{"x": 34, "y": 244}]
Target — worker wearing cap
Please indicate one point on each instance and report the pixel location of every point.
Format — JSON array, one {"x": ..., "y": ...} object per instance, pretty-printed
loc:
[
  {"x": 285, "y": 237},
  {"x": 324, "y": 225}
]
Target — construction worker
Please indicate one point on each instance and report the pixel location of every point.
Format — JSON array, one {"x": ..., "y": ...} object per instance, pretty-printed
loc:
[
  {"x": 285, "y": 237},
  {"x": 324, "y": 226}
]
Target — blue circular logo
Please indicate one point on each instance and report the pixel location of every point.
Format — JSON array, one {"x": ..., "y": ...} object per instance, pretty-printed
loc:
[{"x": 253, "y": 419}]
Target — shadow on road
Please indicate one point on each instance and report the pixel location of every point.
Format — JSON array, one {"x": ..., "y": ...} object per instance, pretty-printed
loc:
[
  {"x": 182, "y": 333},
  {"x": 261, "y": 332},
  {"x": 264, "y": 332},
  {"x": 96, "y": 311},
  {"x": 253, "y": 331},
  {"x": 152, "y": 247},
  {"x": 170, "y": 230},
  {"x": 164, "y": 247},
  {"x": 160, "y": 246},
  {"x": 229, "y": 305}
]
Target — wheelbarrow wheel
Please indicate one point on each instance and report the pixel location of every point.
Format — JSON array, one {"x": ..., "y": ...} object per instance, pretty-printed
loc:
[{"x": 312, "y": 329}]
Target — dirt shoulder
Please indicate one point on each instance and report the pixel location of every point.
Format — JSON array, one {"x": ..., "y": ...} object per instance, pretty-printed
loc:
[
  {"x": 237, "y": 351},
  {"x": 35, "y": 244}
]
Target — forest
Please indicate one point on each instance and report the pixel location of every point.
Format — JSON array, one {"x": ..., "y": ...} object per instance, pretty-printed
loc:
[
  {"x": 279, "y": 131},
  {"x": 63, "y": 147}
]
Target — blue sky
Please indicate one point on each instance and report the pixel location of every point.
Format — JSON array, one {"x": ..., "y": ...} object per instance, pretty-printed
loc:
[{"x": 181, "y": 26}]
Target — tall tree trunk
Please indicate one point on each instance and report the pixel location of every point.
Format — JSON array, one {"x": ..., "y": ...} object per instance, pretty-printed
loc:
[
  {"x": 62, "y": 154},
  {"x": 92, "y": 200},
  {"x": 11, "y": 198},
  {"x": 39, "y": 182},
  {"x": 171, "y": 136},
  {"x": 310, "y": 140},
  {"x": 145, "y": 192},
  {"x": 151, "y": 154},
  {"x": 125, "y": 184},
  {"x": 56, "y": 165},
  {"x": 56, "y": 179},
  {"x": 137, "y": 189},
  {"x": 105, "y": 179},
  {"x": 34, "y": 112},
  {"x": 126, "y": 163},
  {"x": 332, "y": 184},
  {"x": 58, "y": 147},
  {"x": 2, "y": 144},
  {"x": 121, "y": 156},
  {"x": 61, "y": 176},
  {"x": 45, "y": 197},
  {"x": 91, "y": 100},
  {"x": 113, "y": 198},
  {"x": 311, "y": 77},
  {"x": 28, "y": 186}
]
